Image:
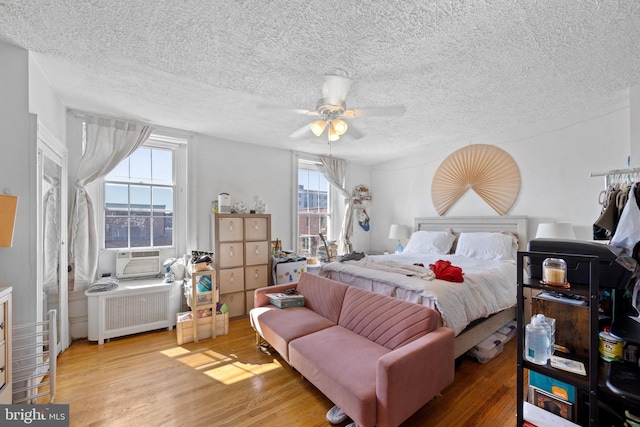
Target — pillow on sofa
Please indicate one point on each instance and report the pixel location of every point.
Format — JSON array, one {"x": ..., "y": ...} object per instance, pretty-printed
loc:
[
  {"x": 430, "y": 242},
  {"x": 486, "y": 245}
]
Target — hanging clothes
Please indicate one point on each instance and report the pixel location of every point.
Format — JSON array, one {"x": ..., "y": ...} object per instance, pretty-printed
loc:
[
  {"x": 605, "y": 225},
  {"x": 628, "y": 230}
]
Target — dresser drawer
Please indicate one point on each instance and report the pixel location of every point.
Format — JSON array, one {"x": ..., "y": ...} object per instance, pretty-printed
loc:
[
  {"x": 3, "y": 367},
  {"x": 230, "y": 229},
  {"x": 257, "y": 253},
  {"x": 256, "y": 276},
  {"x": 230, "y": 255},
  {"x": 231, "y": 280},
  {"x": 255, "y": 229}
]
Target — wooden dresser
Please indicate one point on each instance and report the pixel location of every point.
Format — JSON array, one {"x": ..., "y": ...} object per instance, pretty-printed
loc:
[
  {"x": 242, "y": 249},
  {"x": 5, "y": 346}
]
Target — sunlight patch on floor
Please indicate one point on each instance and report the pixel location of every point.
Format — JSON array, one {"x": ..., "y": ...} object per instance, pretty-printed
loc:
[
  {"x": 226, "y": 369},
  {"x": 238, "y": 371}
]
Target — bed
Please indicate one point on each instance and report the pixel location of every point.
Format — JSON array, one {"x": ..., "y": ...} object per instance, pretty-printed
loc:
[{"x": 483, "y": 247}]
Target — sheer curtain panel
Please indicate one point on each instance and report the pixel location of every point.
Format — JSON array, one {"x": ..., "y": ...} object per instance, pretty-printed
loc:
[
  {"x": 108, "y": 141},
  {"x": 335, "y": 170}
]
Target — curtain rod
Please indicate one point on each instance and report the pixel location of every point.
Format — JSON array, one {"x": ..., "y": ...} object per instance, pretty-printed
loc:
[{"x": 615, "y": 172}]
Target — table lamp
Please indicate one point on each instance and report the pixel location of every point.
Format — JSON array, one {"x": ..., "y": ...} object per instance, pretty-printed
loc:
[
  {"x": 555, "y": 230},
  {"x": 399, "y": 232}
]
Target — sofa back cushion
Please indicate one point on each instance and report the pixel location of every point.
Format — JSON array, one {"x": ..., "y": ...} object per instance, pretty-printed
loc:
[
  {"x": 385, "y": 320},
  {"x": 322, "y": 295}
]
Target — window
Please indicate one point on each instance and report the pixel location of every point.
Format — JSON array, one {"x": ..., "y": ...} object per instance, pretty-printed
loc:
[
  {"x": 139, "y": 197},
  {"x": 314, "y": 209}
]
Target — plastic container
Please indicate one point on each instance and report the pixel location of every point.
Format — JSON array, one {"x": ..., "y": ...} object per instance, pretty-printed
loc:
[
  {"x": 509, "y": 331},
  {"x": 549, "y": 324},
  {"x": 489, "y": 348},
  {"x": 536, "y": 342}
]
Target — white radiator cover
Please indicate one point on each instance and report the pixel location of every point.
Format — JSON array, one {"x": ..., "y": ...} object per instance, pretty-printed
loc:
[{"x": 135, "y": 306}]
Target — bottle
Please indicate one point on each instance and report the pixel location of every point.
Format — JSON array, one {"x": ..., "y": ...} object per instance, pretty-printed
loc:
[
  {"x": 536, "y": 342},
  {"x": 546, "y": 323}
]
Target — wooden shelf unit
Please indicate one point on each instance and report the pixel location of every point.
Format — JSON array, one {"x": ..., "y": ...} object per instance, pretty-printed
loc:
[
  {"x": 204, "y": 297},
  {"x": 590, "y": 356}
]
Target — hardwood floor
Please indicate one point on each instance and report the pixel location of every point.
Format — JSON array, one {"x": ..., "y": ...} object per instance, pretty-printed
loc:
[{"x": 148, "y": 380}]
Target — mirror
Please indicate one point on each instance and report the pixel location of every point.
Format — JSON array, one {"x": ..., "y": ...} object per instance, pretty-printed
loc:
[{"x": 52, "y": 292}]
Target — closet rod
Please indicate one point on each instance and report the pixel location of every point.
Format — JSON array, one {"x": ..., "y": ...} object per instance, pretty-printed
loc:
[{"x": 616, "y": 172}]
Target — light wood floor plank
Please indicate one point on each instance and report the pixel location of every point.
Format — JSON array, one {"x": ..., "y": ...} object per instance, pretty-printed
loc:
[{"x": 148, "y": 380}]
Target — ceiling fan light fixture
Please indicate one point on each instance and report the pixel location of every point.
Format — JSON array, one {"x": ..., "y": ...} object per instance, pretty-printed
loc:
[
  {"x": 332, "y": 134},
  {"x": 318, "y": 127},
  {"x": 339, "y": 126}
]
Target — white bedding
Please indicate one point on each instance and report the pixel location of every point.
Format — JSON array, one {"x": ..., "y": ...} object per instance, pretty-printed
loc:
[{"x": 488, "y": 287}]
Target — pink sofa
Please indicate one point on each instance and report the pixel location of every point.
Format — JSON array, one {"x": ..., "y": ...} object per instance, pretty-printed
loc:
[{"x": 378, "y": 358}]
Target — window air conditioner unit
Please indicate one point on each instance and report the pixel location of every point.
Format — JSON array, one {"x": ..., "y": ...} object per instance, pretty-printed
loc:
[{"x": 137, "y": 264}]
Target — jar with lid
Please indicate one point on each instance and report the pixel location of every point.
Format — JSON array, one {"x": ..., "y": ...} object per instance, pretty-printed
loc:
[{"x": 554, "y": 272}]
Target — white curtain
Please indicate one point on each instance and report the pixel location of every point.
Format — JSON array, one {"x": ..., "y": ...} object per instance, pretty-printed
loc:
[
  {"x": 51, "y": 235},
  {"x": 335, "y": 170},
  {"x": 108, "y": 142}
]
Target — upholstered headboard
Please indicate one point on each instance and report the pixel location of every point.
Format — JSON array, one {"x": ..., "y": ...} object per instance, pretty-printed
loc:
[{"x": 512, "y": 224}]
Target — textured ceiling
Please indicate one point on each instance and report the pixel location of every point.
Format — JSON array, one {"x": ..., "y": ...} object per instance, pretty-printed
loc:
[{"x": 461, "y": 68}]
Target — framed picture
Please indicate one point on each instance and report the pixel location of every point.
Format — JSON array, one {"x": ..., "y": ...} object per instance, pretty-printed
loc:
[{"x": 551, "y": 403}]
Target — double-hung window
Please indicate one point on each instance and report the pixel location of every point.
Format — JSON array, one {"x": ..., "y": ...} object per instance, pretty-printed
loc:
[
  {"x": 314, "y": 208},
  {"x": 139, "y": 198}
]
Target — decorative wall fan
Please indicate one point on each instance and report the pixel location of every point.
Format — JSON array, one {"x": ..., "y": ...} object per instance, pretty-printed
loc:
[
  {"x": 332, "y": 113},
  {"x": 488, "y": 170}
]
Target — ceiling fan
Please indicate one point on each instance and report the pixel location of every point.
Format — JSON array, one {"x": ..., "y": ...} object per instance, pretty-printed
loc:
[{"x": 332, "y": 113}]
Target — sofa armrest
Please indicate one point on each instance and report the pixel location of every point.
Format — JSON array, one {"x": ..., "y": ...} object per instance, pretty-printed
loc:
[
  {"x": 259, "y": 297},
  {"x": 411, "y": 375}
]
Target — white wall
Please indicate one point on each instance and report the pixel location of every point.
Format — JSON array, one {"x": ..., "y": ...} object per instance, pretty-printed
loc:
[
  {"x": 17, "y": 127},
  {"x": 243, "y": 171},
  {"x": 555, "y": 160},
  {"x": 44, "y": 103}
]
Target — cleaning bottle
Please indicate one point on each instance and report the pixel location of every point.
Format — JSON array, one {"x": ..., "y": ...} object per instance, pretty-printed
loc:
[{"x": 536, "y": 342}]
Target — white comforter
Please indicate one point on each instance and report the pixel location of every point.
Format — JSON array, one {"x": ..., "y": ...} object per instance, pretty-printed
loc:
[{"x": 488, "y": 287}]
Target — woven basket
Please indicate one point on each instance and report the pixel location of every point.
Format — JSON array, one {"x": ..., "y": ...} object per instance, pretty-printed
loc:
[{"x": 200, "y": 266}]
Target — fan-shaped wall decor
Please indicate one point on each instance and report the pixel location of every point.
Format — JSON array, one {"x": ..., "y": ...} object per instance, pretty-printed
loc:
[{"x": 488, "y": 170}]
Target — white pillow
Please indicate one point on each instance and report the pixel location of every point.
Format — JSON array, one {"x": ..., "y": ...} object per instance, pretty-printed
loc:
[
  {"x": 494, "y": 246},
  {"x": 430, "y": 242}
]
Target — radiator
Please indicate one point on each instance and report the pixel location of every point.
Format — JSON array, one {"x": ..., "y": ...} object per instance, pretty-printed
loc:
[{"x": 131, "y": 308}]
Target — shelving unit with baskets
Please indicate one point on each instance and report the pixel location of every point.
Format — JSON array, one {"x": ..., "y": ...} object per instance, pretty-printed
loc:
[
  {"x": 203, "y": 295},
  {"x": 586, "y": 386}
]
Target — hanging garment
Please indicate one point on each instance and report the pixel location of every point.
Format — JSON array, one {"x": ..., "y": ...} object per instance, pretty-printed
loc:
[
  {"x": 609, "y": 216},
  {"x": 628, "y": 230}
]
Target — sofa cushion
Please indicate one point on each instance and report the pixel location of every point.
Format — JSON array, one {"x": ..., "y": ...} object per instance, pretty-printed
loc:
[
  {"x": 322, "y": 295},
  {"x": 385, "y": 320},
  {"x": 343, "y": 366},
  {"x": 281, "y": 325}
]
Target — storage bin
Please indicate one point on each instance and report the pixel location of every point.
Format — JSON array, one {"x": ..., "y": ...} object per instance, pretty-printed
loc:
[
  {"x": 488, "y": 348},
  {"x": 184, "y": 327},
  {"x": 509, "y": 331},
  {"x": 222, "y": 324}
]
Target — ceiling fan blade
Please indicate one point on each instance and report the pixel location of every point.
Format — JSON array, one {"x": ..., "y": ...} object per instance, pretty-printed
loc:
[
  {"x": 301, "y": 132},
  {"x": 353, "y": 132},
  {"x": 375, "y": 111},
  {"x": 286, "y": 109},
  {"x": 335, "y": 88}
]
